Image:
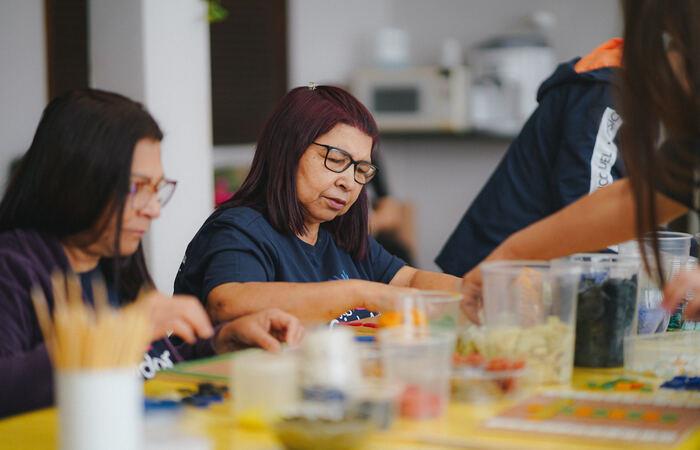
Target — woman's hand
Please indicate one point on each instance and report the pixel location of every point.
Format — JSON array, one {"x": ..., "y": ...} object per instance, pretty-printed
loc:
[
  {"x": 181, "y": 314},
  {"x": 678, "y": 289},
  {"x": 266, "y": 329},
  {"x": 471, "y": 295}
]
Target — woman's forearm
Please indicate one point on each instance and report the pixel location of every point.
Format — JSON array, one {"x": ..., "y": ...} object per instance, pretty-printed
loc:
[
  {"x": 434, "y": 281},
  {"x": 596, "y": 221},
  {"x": 410, "y": 277},
  {"x": 311, "y": 302}
]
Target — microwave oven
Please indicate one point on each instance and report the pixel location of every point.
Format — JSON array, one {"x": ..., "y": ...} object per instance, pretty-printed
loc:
[{"x": 415, "y": 98}]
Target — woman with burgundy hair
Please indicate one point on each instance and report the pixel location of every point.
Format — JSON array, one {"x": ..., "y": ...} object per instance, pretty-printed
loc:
[{"x": 295, "y": 235}]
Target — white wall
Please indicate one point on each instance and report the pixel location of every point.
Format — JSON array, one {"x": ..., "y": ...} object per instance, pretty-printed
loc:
[
  {"x": 440, "y": 178},
  {"x": 329, "y": 38},
  {"x": 157, "y": 51},
  {"x": 580, "y": 25},
  {"x": 23, "y": 79}
]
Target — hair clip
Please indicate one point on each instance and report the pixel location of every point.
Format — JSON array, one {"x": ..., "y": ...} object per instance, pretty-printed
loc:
[{"x": 312, "y": 86}]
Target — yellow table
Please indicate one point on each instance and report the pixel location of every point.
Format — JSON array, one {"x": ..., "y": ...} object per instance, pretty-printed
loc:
[{"x": 458, "y": 429}]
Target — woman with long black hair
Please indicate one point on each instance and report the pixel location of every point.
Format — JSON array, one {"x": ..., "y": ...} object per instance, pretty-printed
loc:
[{"x": 79, "y": 204}]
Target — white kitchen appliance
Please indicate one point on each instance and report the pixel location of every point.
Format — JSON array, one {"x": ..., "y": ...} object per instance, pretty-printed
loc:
[
  {"x": 507, "y": 72},
  {"x": 427, "y": 98}
]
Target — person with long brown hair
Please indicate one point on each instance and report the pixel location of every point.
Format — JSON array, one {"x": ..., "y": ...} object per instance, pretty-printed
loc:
[{"x": 660, "y": 145}]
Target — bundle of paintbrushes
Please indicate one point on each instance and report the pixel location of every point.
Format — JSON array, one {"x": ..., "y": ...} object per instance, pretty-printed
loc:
[{"x": 81, "y": 336}]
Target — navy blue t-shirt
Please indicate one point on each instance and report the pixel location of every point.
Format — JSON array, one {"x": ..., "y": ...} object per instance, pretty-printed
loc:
[{"x": 239, "y": 245}]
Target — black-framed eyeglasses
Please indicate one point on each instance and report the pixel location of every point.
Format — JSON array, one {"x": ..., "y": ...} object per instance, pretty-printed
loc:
[
  {"x": 142, "y": 191},
  {"x": 338, "y": 160}
]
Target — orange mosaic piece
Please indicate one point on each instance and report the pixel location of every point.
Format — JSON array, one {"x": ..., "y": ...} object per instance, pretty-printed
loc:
[
  {"x": 396, "y": 318},
  {"x": 617, "y": 414},
  {"x": 622, "y": 386},
  {"x": 651, "y": 416},
  {"x": 534, "y": 409},
  {"x": 583, "y": 411},
  {"x": 390, "y": 319}
]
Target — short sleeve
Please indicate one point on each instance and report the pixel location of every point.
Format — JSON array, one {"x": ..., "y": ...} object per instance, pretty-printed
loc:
[
  {"x": 588, "y": 150},
  {"x": 234, "y": 253},
  {"x": 383, "y": 265}
]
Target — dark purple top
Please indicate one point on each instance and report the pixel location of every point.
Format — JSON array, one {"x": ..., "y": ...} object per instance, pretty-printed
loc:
[{"x": 27, "y": 259}]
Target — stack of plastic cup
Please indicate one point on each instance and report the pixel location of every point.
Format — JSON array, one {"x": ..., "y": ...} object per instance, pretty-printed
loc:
[
  {"x": 264, "y": 385},
  {"x": 529, "y": 314},
  {"x": 674, "y": 249}
]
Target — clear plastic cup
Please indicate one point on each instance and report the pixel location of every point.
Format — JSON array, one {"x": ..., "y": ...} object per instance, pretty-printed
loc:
[
  {"x": 442, "y": 309},
  {"x": 420, "y": 360},
  {"x": 671, "y": 242},
  {"x": 674, "y": 250},
  {"x": 607, "y": 300},
  {"x": 677, "y": 320},
  {"x": 529, "y": 314},
  {"x": 437, "y": 309},
  {"x": 264, "y": 385}
]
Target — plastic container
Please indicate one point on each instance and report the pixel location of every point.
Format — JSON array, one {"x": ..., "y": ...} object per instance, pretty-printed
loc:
[
  {"x": 263, "y": 385},
  {"x": 529, "y": 314},
  {"x": 442, "y": 309},
  {"x": 331, "y": 370},
  {"x": 100, "y": 409},
  {"x": 674, "y": 250},
  {"x": 420, "y": 360},
  {"x": 438, "y": 309},
  {"x": 477, "y": 380},
  {"x": 330, "y": 358},
  {"x": 677, "y": 320},
  {"x": 607, "y": 299},
  {"x": 664, "y": 355}
]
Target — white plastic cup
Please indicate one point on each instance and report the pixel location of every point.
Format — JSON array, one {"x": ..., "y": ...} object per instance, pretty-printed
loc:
[
  {"x": 331, "y": 359},
  {"x": 100, "y": 409},
  {"x": 264, "y": 385},
  {"x": 392, "y": 48},
  {"x": 451, "y": 53}
]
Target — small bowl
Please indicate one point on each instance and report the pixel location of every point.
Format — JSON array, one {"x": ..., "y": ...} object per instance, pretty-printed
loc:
[{"x": 307, "y": 433}]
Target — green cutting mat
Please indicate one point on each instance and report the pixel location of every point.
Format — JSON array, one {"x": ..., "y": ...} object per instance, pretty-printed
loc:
[{"x": 216, "y": 368}]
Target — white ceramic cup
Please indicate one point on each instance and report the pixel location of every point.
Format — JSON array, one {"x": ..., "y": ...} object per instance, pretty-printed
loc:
[{"x": 100, "y": 409}]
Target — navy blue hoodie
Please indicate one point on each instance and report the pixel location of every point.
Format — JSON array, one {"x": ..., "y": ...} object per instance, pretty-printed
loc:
[{"x": 566, "y": 149}]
